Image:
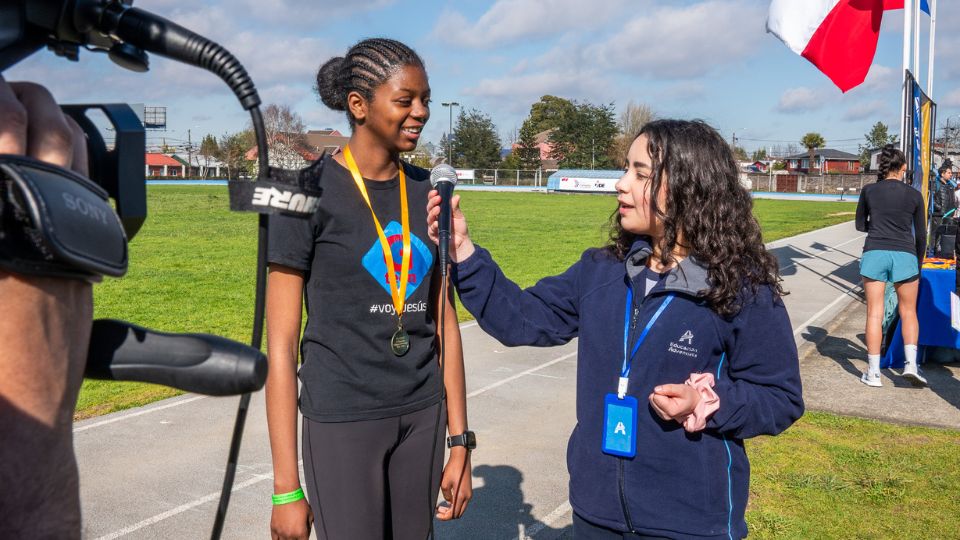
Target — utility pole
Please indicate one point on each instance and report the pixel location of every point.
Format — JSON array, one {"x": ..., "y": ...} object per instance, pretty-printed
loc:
[
  {"x": 450, "y": 105},
  {"x": 189, "y": 153}
]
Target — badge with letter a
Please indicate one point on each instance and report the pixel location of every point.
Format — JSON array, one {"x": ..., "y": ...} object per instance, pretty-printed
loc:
[{"x": 620, "y": 425}]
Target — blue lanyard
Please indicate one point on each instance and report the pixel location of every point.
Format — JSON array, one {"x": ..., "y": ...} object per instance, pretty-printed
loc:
[{"x": 628, "y": 359}]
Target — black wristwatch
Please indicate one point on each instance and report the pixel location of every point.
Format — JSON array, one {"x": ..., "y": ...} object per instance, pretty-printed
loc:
[{"x": 467, "y": 438}]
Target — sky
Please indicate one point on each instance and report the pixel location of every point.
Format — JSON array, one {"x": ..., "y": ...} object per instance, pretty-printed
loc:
[{"x": 709, "y": 59}]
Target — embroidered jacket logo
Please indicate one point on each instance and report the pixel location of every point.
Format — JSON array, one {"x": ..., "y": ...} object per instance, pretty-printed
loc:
[
  {"x": 684, "y": 346},
  {"x": 285, "y": 200}
]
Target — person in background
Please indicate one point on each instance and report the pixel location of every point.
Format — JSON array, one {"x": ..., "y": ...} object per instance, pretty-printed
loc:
[{"x": 892, "y": 214}]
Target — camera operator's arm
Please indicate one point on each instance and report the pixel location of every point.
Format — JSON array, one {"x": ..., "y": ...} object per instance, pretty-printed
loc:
[
  {"x": 44, "y": 333},
  {"x": 284, "y": 308}
]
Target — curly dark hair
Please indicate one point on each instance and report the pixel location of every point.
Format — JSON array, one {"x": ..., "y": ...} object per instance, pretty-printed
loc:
[
  {"x": 707, "y": 211},
  {"x": 891, "y": 159},
  {"x": 367, "y": 65}
]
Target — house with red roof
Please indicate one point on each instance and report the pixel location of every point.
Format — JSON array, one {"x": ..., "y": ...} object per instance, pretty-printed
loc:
[{"x": 163, "y": 165}]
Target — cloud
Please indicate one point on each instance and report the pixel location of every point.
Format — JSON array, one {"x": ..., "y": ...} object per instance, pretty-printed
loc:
[
  {"x": 684, "y": 90},
  {"x": 511, "y": 21},
  {"x": 880, "y": 78},
  {"x": 951, "y": 99},
  {"x": 865, "y": 110},
  {"x": 266, "y": 14},
  {"x": 799, "y": 100},
  {"x": 521, "y": 90},
  {"x": 684, "y": 42}
]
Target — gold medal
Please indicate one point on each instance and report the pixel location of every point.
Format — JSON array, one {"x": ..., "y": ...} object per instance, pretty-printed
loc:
[{"x": 400, "y": 341}]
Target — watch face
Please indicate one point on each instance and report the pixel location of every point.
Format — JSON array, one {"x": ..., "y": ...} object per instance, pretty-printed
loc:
[{"x": 471, "y": 440}]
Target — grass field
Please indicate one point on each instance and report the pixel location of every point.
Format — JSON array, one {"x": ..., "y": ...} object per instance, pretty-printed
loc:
[
  {"x": 192, "y": 264},
  {"x": 826, "y": 477}
]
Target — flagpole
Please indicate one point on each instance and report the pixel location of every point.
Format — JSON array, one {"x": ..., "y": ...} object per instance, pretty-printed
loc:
[
  {"x": 933, "y": 35},
  {"x": 907, "y": 28},
  {"x": 916, "y": 40}
]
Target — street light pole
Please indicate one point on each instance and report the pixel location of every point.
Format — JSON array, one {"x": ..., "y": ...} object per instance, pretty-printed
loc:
[{"x": 450, "y": 105}]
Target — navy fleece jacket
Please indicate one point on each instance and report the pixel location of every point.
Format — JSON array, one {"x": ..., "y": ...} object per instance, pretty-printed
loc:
[{"x": 679, "y": 485}]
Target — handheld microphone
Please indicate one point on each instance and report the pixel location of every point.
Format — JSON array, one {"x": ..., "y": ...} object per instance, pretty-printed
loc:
[
  {"x": 444, "y": 179},
  {"x": 200, "y": 363}
]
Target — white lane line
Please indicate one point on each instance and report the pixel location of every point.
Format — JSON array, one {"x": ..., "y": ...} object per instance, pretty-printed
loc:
[
  {"x": 846, "y": 295},
  {"x": 521, "y": 374},
  {"x": 137, "y": 413},
  {"x": 552, "y": 517},
  {"x": 468, "y": 324},
  {"x": 183, "y": 508}
]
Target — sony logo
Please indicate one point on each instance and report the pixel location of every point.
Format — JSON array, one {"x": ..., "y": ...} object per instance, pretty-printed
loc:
[
  {"x": 285, "y": 200},
  {"x": 81, "y": 206}
]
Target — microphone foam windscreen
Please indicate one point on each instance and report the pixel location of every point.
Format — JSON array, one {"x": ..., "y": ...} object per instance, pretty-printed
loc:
[{"x": 443, "y": 173}]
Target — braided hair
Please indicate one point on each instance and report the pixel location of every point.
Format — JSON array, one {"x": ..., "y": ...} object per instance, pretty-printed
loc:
[
  {"x": 891, "y": 159},
  {"x": 367, "y": 65}
]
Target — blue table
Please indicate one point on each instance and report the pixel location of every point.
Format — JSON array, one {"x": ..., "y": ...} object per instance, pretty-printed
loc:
[{"x": 933, "y": 313}]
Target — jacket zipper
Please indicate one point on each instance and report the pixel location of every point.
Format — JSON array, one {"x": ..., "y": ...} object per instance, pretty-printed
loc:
[{"x": 623, "y": 499}]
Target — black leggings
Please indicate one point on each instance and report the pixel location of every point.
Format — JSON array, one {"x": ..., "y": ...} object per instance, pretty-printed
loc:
[{"x": 368, "y": 479}]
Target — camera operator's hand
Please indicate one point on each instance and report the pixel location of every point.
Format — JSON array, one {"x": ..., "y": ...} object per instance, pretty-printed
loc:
[{"x": 44, "y": 335}]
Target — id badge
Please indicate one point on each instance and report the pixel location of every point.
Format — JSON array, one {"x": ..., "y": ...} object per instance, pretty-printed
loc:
[{"x": 620, "y": 425}]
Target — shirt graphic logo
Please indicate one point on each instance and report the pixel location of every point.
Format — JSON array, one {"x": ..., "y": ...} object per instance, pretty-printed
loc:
[
  {"x": 688, "y": 337},
  {"x": 421, "y": 259}
]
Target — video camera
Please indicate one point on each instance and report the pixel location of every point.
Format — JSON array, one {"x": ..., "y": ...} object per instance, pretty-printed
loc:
[{"x": 54, "y": 222}]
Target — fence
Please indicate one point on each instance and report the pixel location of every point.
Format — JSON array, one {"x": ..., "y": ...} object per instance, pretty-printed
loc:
[
  {"x": 829, "y": 184},
  {"x": 505, "y": 177}
]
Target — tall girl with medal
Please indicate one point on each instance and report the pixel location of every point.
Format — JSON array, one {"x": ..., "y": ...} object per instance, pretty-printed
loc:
[
  {"x": 364, "y": 267},
  {"x": 685, "y": 348}
]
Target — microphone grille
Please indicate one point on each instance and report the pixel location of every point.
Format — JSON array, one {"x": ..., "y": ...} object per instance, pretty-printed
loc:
[{"x": 443, "y": 173}]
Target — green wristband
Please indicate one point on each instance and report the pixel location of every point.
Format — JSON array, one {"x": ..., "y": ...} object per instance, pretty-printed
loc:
[{"x": 285, "y": 498}]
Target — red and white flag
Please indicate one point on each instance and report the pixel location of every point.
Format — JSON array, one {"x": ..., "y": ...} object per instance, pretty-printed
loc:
[{"x": 837, "y": 36}]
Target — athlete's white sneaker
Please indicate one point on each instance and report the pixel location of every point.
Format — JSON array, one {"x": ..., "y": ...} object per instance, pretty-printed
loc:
[
  {"x": 871, "y": 378},
  {"x": 912, "y": 374}
]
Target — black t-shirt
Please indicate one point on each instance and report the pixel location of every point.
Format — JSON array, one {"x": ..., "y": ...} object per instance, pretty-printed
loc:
[
  {"x": 349, "y": 371},
  {"x": 892, "y": 214}
]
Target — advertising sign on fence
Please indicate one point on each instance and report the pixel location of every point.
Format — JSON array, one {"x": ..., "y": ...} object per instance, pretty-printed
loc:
[
  {"x": 466, "y": 174},
  {"x": 573, "y": 183}
]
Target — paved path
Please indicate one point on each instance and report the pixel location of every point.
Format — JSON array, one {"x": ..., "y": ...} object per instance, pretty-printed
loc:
[{"x": 155, "y": 472}]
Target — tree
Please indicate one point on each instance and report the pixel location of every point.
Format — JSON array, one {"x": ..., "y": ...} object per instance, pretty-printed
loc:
[
  {"x": 548, "y": 113},
  {"x": 740, "y": 153},
  {"x": 475, "y": 141},
  {"x": 286, "y": 136},
  {"x": 584, "y": 137},
  {"x": 233, "y": 151},
  {"x": 878, "y": 137},
  {"x": 208, "y": 149},
  {"x": 632, "y": 119},
  {"x": 446, "y": 147},
  {"x": 760, "y": 154},
  {"x": 812, "y": 141},
  {"x": 527, "y": 150},
  {"x": 511, "y": 161}
]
